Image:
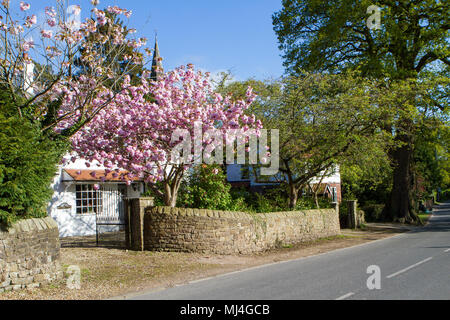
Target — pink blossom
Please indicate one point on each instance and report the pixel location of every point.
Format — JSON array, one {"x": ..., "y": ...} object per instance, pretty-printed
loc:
[
  {"x": 134, "y": 134},
  {"x": 27, "y": 45},
  {"x": 50, "y": 11},
  {"x": 51, "y": 22},
  {"x": 47, "y": 33},
  {"x": 24, "y": 6},
  {"x": 30, "y": 21}
]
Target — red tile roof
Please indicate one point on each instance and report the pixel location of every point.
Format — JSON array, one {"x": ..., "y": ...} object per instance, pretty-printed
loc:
[{"x": 86, "y": 175}]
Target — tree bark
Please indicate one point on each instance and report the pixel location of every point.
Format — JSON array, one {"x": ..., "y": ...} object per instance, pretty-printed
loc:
[
  {"x": 170, "y": 196},
  {"x": 171, "y": 189},
  {"x": 400, "y": 205},
  {"x": 293, "y": 196},
  {"x": 316, "y": 199}
]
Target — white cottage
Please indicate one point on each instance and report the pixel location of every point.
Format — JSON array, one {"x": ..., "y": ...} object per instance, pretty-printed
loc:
[{"x": 83, "y": 201}]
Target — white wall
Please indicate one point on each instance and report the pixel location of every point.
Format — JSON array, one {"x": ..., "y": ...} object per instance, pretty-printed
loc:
[
  {"x": 332, "y": 177},
  {"x": 69, "y": 222}
]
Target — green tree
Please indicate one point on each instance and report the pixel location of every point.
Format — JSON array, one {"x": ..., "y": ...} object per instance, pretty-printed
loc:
[
  {"x": 367, "y": 175},
  {"x": 323, "y": 121},
  {"x": 415, "y": 104},
  {"x": 334, "y": 35},
  {"x": 27, "y": 165},
  {"x": 443, "y": 156},
  {"x": 431, "y": 158}
]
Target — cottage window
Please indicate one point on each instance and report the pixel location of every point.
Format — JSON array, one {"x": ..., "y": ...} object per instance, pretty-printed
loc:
[{"x": 89, "y": 200}]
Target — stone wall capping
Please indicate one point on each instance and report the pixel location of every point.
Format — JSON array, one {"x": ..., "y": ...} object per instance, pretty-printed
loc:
[{"x": 39, "y": 225}]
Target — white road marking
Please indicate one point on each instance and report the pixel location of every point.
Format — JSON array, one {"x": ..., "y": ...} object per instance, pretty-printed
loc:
[
  {"x": 345, "y": 296},
  {"x": 409, "y": 268},
  {"x": 448, "y": 250}
]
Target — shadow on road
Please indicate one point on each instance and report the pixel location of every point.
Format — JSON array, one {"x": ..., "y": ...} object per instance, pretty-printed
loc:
[{"x": 111, "y": 240}]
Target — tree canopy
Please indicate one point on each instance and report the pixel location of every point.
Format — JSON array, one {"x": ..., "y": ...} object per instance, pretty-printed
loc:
[
  {"x": 324, "y": 121},
  {"x": 334, "y": 35},
  {"x": 27, "y": 164},
  {"x": 406, "y": 50}
]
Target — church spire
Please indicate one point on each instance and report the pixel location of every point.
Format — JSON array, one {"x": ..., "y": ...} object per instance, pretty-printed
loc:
[{"x": 157, "y": 68}]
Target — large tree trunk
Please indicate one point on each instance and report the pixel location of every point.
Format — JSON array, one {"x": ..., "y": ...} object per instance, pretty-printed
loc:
[{"x": 400, "y": 206}]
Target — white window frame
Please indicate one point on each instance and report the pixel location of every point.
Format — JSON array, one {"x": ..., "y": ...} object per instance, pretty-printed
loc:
[{"x": 88, "y": 200}]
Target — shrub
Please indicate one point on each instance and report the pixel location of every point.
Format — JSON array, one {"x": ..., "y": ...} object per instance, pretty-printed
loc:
[
  {"x": 269, "y": 200},
  {"x": 308, "y": 203},
  {"x": 275, "y": 199},
  {"x": 264, "y": 204},
  {"x": 369, "y": 212},
  {"x": 373, "y": 212},
  {"x": 206, "y": 188},
  {"x": 445, "y": 195},
  {"x": 158, "y": 199},
  {"x": 28, "y": 161}
]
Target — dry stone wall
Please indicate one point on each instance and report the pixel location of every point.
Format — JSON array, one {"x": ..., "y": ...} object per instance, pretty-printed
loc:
[
  {"x": 221, "y": 232},
  {"x": 29, "y": 254}
]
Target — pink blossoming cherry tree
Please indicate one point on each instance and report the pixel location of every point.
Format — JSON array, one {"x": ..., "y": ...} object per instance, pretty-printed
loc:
[
  {"x": 135, "y": 133},
  {"x": 59, "y": 65}
]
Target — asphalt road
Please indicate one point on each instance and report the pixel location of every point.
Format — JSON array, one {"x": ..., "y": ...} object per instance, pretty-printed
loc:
[{"x": 413, "y": 265}]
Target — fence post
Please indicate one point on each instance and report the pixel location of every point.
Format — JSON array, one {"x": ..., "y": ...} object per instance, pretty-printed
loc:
[
  {"x": 134, "y": 216},
  {"x": 352, "y": 214}
]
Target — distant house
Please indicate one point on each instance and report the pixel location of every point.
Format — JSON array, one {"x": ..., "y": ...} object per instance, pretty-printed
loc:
[{"x": 243, "y": 176}]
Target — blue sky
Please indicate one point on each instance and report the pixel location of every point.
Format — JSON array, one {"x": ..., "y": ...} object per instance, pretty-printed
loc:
[{"x": 213, "y": 35}]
